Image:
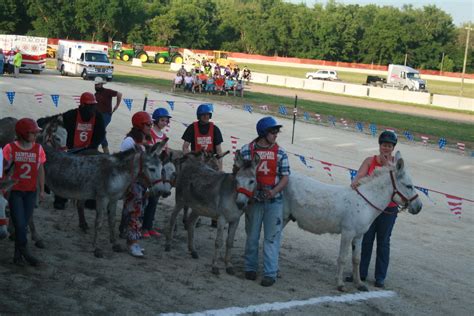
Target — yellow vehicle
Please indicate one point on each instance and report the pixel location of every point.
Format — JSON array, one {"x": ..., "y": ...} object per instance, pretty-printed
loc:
[
  {"x": 220, "y": 57},
  {"x": 50, "y": 52}
]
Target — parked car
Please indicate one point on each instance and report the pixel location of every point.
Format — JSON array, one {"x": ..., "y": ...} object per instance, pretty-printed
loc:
[{"x": 322, "y": 75}]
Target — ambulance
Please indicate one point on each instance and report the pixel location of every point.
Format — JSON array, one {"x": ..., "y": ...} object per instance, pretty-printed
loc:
[
  {"x": 88, "y": 60},
  {"x": 32, "y": 49}
]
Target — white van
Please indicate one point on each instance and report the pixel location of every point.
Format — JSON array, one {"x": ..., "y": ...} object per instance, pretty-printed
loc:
[{"x": 87, "y": 60}]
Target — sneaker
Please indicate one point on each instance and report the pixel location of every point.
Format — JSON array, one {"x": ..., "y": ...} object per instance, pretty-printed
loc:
[
  {"x": 154, "y": 233},
  {"x": 146, "y": 234},
  {"x": 251, "y": 275},
  {"x": 136, "y": 250},
  {"x": 267, "y": 281}
]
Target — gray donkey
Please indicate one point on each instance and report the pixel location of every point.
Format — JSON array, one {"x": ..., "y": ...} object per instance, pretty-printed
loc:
[
  {"x": 214, "y": 194},
  {"x": 104, "y": 178}
]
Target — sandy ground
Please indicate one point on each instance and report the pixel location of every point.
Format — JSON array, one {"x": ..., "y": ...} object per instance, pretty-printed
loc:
[{"x": 431, "y": 269}]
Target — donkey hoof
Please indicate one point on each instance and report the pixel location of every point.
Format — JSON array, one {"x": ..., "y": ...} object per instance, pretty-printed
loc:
[
  {"x": 167, "y": 248},
  {"x": 230, "y": 270},
  {"x": 117, "y": 248},
  {"x": 341, "y": 288},
  {"x": 195, "y": 255},
  {"x": 215, "y": 270},
  {"x": 363, "y": 288},
  {"x": 98, "y": 253},
  {"x": 39, "y": 244}
]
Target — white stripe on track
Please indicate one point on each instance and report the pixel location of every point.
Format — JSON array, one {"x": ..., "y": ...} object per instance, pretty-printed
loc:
[{"x": 266, "y": 307}]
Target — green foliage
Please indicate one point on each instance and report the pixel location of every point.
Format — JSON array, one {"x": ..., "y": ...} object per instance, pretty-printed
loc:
[{"x": 335, "y": 32}]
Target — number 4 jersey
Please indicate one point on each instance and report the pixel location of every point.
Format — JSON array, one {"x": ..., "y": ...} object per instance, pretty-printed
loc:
[{"x": 27, "y": 162}]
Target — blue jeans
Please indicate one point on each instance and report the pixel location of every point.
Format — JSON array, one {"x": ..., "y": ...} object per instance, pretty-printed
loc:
[
  {"x": 382, "y": 229},
  {"x": 149, "y": 213},
  {"x": 1, "y": 66},
  {"x": 270, "y": 213},
  {"x": 107, "y": 118},
  {"x": 21, "y": 207}
]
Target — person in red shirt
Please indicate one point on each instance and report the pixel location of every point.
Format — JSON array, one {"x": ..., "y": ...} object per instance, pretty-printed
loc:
[
  {"x": 104, "y": 105},
  {"x": 382, "y": 226},
  {"x": 27, "y": 158}
]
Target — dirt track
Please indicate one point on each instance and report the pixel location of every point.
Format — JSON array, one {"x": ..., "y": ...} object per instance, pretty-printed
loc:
[
  {"x": 431, "y": 271},
  {"x": 325, "y": 97}
]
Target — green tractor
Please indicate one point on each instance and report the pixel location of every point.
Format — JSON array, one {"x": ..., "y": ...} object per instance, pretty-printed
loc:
[
  {"x": 137, "y": 51},
  {"x": 172, "y": 55}
]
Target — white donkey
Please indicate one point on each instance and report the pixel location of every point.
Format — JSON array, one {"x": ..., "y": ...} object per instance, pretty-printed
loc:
[
  {"x": 336, "y": 209},
  {"x": 5, "y": 184}
]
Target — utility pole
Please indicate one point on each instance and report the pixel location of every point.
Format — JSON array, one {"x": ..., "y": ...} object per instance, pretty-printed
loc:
[
  {"x": 465, "y": 57},
  {"x": 442, "y": 64},
  {"x": 406, "y": 57}
]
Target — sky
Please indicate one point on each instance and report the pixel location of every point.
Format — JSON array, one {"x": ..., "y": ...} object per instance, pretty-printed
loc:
[{"x": 460, "y": 10}]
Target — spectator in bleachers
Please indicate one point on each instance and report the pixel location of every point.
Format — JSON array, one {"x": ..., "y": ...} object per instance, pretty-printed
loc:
[
  {"x": 210, "y": 85},
  {"x": 229, "y": 85},
  {"x": 188, "y": 82},
  {"x": 220, "y": 82},
  {"x": 236, "y": 72},
  {"x": 182, "y": 71},
  {"x": 177, "y": 81},
  {"x": 239, "y": 88}
]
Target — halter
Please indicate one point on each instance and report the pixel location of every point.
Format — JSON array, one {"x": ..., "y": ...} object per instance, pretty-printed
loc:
[
  {"x": 395, "y": 192},
  {"x": 148, "y": 181},
  {"x": 244, "y": 191},
  {"x": 3, "y": 221}
]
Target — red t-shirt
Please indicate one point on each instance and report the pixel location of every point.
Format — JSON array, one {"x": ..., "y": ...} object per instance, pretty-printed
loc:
[
  {"x": 104, "y": 100},
  {"x": 375, "y": 164},
  {"x": 27, "y": 162}
]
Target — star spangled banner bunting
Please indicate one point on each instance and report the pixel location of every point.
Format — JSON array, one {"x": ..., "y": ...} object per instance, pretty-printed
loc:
[
  {"x": 461, "y": 147},
  {"x": 10, "y": 96},
  {"x": 318, "y": 117},
  {"x": 455, "y": 204},
  {"x": 332, "y": 120},
  {"x": 128, "y": 103},
  {"x": 425, "y": 140},
  {"x": 248, "y": 108},
  {"x": 77, "y": 99},
  {"x": 55, "y": 98},
  {"x": 327, "y": 167},
  {"x": 39, "y": 98},
  {"x": 303, "y": 160},
  {"x": 344, "y": 122},
  {"x": 264, "y": 107},
  {"x": 425, "y": 191},
  {"x": 409, "y": 136},
  {"x": 171, "y": 104},
  {"x": 373, "y": 129},
  {"x": 352, "y": 173},
  {"x": 360, "y": 126},
  {"x": 234, "y": 141},
  {"x": 282, "y": 110},
  {"x": 442, "y": 143},
  {"x": 306, "y": 116}
]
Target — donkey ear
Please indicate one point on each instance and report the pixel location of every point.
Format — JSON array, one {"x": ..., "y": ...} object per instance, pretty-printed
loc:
[
  {"x": 399, "y": 163},
  {"x": 238, "y": 160},
  {"x": 158, "y": 147}
]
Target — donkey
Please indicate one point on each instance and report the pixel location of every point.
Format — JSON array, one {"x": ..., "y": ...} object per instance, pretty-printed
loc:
[
  {"x": 205, "y": 158},
  {"x": 322, "y": 208},
  {"x": 5, "y": 184},
  {"x": 214, "y": 194},
  {"x": 104, "y": 178}
]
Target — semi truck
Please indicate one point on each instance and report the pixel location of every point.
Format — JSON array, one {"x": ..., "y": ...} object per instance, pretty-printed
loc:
[
  {"x": 87, "y": 60},
  {"x": 32, "y": 49},
  {"x": 399, "y": 77}
]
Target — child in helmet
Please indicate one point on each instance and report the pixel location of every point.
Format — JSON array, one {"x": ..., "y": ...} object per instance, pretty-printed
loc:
[
  {"x": 272, "y": 177},
  {"x": 161, "y": 118},
  {"x": 135, "y": 199},
  {"x": 28, "y": 158},
  {"x": 382, "y": 226}
]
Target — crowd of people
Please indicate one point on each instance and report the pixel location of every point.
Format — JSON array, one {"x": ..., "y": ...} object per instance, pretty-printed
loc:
[
  {"x": 204, "y": 78},
  {"x": 86, "y": 127},
  {"x": 10, "y": 63}
]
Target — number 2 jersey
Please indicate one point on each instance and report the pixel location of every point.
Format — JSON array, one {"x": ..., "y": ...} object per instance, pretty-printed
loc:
[{"x": 27, "y": 163}]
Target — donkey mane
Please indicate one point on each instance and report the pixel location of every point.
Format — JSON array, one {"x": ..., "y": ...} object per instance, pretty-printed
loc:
[
  {"x": 45, "y": 120},
  {"x": 123, "y": 157},
  {"x": 377, "y": 173}
]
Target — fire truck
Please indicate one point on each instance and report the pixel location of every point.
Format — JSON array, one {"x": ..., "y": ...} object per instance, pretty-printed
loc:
[{"x": 32, "y": 49}]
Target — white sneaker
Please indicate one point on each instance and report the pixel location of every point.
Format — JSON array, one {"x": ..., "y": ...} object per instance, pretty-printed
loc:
[{"x": 136, "y": 250}]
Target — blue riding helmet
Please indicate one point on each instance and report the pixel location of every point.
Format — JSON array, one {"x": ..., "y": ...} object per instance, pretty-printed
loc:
[
  {"x": 266, "y": 123},
  {"x": 160, "y": 112},
  {"x": 205, "y": 108},
  {"x": 388, "y": 137}
]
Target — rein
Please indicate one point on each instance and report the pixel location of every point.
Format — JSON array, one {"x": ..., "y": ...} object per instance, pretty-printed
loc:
[
  {"x": 244, "y": 191},
  {"x": 3, "y": 221},
  {"x": 395, "y": 192},
  {"x": 149, "y": 183}
]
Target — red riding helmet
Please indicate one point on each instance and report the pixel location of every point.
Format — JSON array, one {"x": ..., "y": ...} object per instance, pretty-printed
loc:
[
  {"x": 141, "y": 118},
  {"x": 25, "y": 126},
  {"x": 87, "y": 98}
]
